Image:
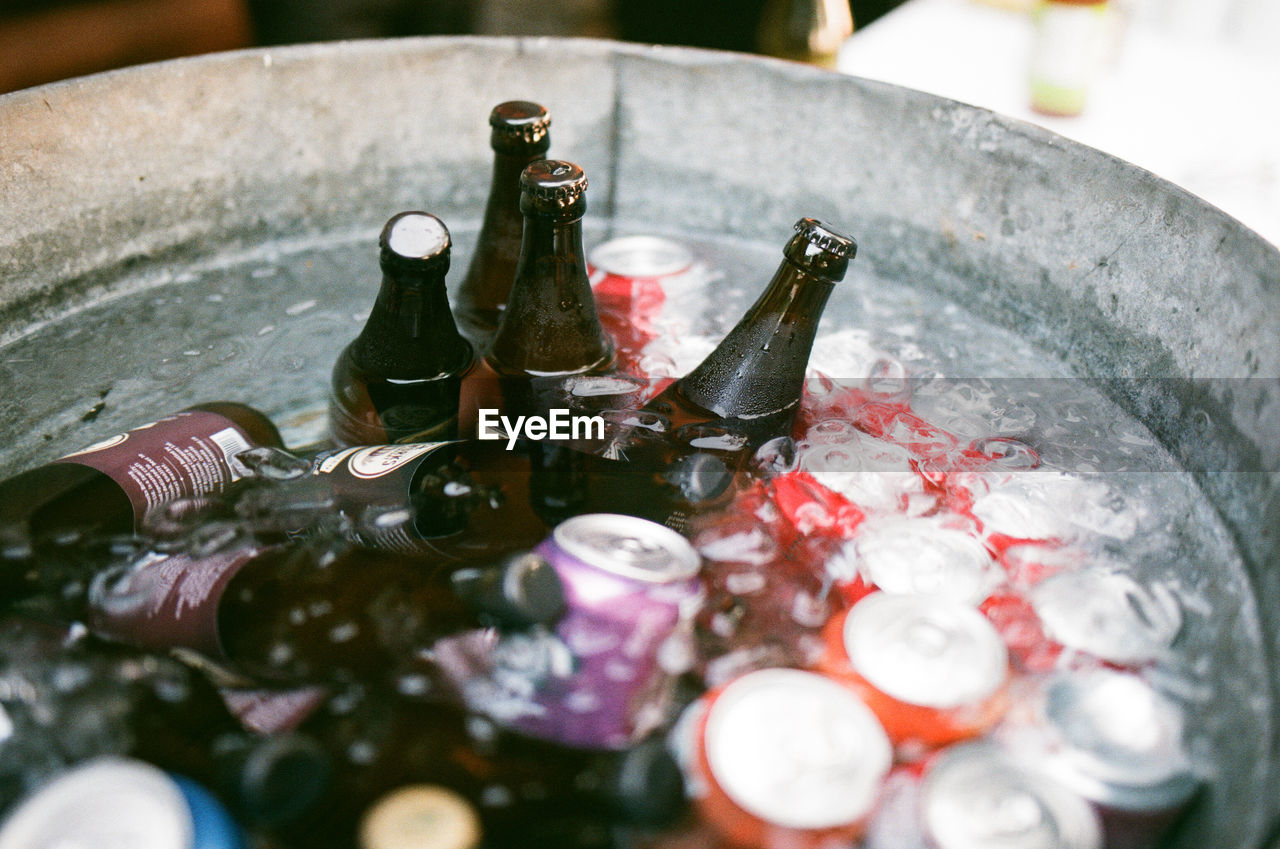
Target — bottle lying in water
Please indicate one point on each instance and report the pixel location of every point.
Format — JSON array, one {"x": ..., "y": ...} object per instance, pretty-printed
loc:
[
  {"x": 315, "y": 611},
  {"x": 526, "y": 792},
  {"x": 55, "y": 518},
  {"x": 83, "y": 698},
  {"x": 108, "y": 487},
  {"x": 470, "y": 499}
]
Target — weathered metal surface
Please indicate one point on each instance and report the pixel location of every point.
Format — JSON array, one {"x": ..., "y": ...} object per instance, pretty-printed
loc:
[{"x": 134, "y": 181}]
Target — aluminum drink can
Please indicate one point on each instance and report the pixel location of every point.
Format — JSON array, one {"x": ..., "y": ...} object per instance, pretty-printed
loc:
[
  {"x": 115, "y": 801},
  {"x": 629, "y": 272},
  {"x": 975, "y": 796},
  {"x": 629, "y": 585},
  {"x": 917, "y": 555},
  {"x": 628, "y": 275},
  {"x": 933, "y": 670},
  {"x": 1113, "y": 739},
  {"x": 1108, "y": 615},
  {"x": 788, "y": 758}
]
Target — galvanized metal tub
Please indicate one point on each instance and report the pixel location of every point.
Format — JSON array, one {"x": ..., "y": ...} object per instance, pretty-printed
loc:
[{"x": 131, "y": 202}]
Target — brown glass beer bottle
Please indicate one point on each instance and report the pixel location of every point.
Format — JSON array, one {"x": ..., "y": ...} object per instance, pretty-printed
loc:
[
  {"x": 400, "y": 380},
  {"x": 550, "y": 329},
  {"x": 316, "y": 611},
  {"x": 527, "y": 792},
  {"x": 519, "y": 136},
  {"x": 85, "y": 697},
  {"x": 752, "y": 382},
  {"x": 107, "y": 488},
  {"x": 475, "y": 499}
]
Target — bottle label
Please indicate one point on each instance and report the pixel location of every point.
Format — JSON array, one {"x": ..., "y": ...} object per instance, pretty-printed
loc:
[
  {"x": 375, "y": 480},
  {"x": 168, "y": 600},
  {"x": 190, "y": 453},
  {"x": 272, "y": 711},
  {"x": 369, "y": 463}
]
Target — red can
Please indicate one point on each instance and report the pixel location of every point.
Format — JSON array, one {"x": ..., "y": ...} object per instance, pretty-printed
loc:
[
  {"x": 932, "y": 669},
  {"x": 786, "y": 759},
  {"x": 627, "y": 278}
]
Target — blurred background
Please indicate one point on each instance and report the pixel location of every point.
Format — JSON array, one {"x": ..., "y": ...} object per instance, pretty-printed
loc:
[
  {"x": 45, "y": 40},
  {"x": 1184, "y": 88}
]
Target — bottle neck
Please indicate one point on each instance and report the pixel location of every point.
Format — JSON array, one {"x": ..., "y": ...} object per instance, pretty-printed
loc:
[
  {"x": 411, "y": 334},
  {"x": 504, "y": 187},
  {"x": 756, "y": 374},
  {"x": 550, "y": 325},
  {"x": 503, "y": 223},
  {"x": 482, "y": 294}
]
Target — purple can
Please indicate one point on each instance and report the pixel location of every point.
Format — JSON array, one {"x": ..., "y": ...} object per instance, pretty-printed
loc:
[{"x": 629, "y": 585}]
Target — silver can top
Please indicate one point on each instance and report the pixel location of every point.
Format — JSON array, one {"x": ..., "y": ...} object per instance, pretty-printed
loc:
[
  {"x": 641, "y": 257},
  {"x": 1107, "y": 614},
  {"x": 1114, "y": 739},
  {"x": 108, "y": 802},
  {"x": 628, "y": 546},
  {"x": 975, "y": 797},
  {"x": 796, "y": 749},
  {"x": 917, "y": 555},
  {"x": 925, "y": 650}
]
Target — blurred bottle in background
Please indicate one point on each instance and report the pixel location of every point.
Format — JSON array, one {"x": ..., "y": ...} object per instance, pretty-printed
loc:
[
  {"x": 519, "y": 136},
  {"x": 805, "y": 30},
  {"x": 1072, "y": 38}
]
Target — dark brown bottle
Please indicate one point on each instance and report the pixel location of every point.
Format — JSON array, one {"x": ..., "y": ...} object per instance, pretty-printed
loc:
[
  {"x": 752, "y": 383},
  {"x": 473, "y": 499},
  {"x": 519, "y": 136},
  {"x": 316, "y": 611},
  {"x": 110, "y": 486},
  {"x": 527, "y": 792},
  {"x": 85, "y": 697},
  {"x": 550, "y": 329},
  {"x": 401, "y": 379}
]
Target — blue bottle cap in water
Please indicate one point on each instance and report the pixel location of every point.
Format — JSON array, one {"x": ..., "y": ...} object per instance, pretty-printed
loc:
[{"x": 212, "y": 827}]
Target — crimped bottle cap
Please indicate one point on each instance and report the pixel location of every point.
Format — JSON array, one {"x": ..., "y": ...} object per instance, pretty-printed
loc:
[
  {"x": 819, "y": 250},
  {"x": 553, "y": 182},
  {"x": 519, "y": 125},
  {"x": 820, "y": 235},
  {"x": 420, "y": 816},
  {"x": 414, "y": 239}
]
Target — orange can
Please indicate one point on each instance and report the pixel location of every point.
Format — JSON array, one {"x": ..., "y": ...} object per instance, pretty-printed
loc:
[
  {"x": 786, "y": 759},
  {"x": 933, "y": 670}
]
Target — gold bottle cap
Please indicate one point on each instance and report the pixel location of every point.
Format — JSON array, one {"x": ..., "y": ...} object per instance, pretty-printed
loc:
[
  {"x": 518, "y": 124},
  {"x": 420, "y": 816},
  {"x": 820, "y": 235},
  {"x": 553, "y": 183},
  {"x": 819, "y": 250}
]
